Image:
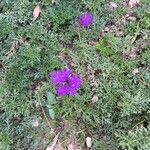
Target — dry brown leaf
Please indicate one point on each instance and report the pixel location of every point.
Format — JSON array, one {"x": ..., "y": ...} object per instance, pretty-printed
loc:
[
  {"x": 36, "y": 12},
  {"x": 132, "y": 54},
  {"x": 92, "y": 42},
  {"x": 133, "y": 3},
  {"x": 15, "y": 45},
  {"x": 88, "y": 142},
  {"x": 130, "y": 17},
  {"x": 59, "y": 146},
  {"x": 72, "y": 146},
  {"x": 119, "y": 33},
  {"x": 72, "y": 143},
  {"x": 94, "y": 99},
  {"x": 53, "y": 145}
]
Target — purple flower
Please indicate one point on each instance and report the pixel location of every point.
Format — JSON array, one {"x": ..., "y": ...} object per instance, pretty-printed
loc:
[
  {"x": 66, "y": 90},
  {"x": 74, "y": 81},
  {"x": 60, "y": 76},
  {"x": 86, "y": 19},
  {"x": 65, "y": 82}
]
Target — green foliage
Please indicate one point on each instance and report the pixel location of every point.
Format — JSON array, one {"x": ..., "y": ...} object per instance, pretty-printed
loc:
[
  {"x": 120, "y": 117},
  {"x": 50, "y": 102},
  {"x": 102, "y": 46},
  {"x": 4, "y": 141},
  {"x": 111, "y": 47},
  {"x": 145, "y": 21},
  {"x": 139, "y": 138}
]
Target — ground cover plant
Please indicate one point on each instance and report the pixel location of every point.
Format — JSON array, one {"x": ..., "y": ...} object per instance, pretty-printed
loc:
[{"x": 74, "y": 74}]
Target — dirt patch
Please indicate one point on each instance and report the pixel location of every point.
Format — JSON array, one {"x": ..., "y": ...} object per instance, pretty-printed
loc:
[{"x": 139, "y": 46}]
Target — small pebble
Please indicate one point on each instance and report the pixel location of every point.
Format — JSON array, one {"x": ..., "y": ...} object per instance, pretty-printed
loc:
[{"x": 88, "y": 142}]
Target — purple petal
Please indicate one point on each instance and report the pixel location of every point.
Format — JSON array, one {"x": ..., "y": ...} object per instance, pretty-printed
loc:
[
  {"x": 65, "y": 73},
  {"x": 65, "y": 82},
  {"x": 73, "y": 92},
  {"x": 63, "y": 90},
  {"x": 74, "y": 81},
  {"x": 55, "y": 77},
  {"x": 58, "y": 77},
  {"x": 86, "y": 19},
  {"x": 66, "y": 90}
]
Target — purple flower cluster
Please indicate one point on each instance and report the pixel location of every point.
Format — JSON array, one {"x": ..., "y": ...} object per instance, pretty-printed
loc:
[
  {"x": 86, "y": 19},
  {"x": 65, "y": 82}
]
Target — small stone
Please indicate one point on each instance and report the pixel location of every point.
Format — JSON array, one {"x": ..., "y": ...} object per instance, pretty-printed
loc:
[
  {"x": 94, "y": 99},
  {"x": 135, "y": 71},
  {"x": 88, "y": 142},
  {"x": 35, "y": 123},
  {"x": 131, "y": 18},
  {"x": 106, "y": 29}
]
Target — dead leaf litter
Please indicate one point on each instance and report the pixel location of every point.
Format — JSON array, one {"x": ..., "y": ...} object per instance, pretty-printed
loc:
[{"x": 36, "y": 12}]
